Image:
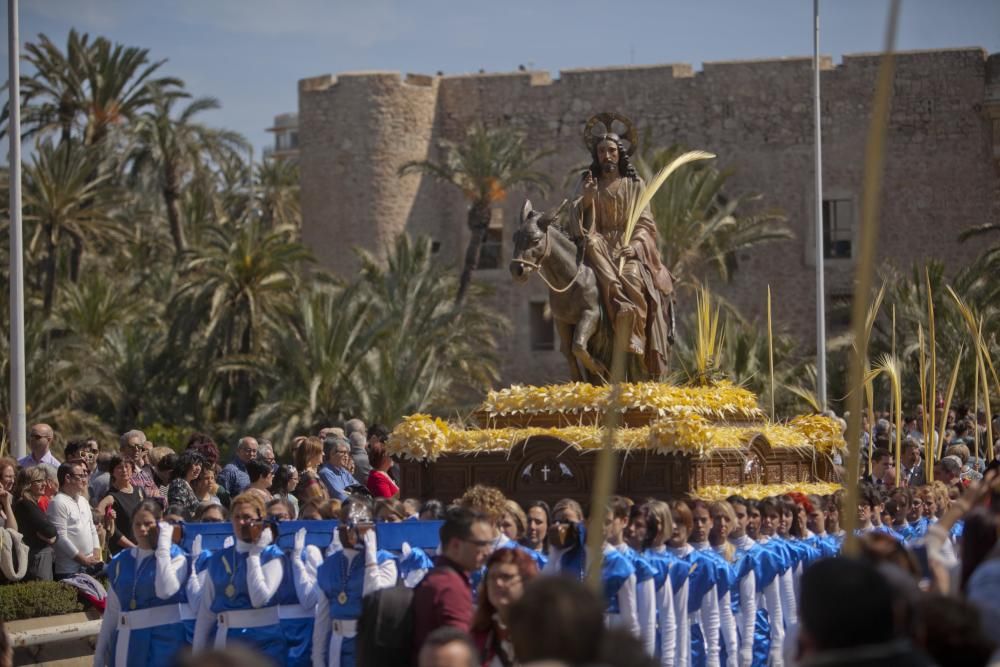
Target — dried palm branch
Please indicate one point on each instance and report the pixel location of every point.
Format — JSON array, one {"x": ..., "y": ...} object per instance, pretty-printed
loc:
[
  {"x": 947, "y": 399},
  {"x": 770, "y": 349},
  {"x": 931, "y": 405},
  {"x": 640, "y": 199},
  {"x": 889, "y": 365}
]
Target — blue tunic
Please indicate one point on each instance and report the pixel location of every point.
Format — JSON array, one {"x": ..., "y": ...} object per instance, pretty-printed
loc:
[
  {"x": 229, "y": 567},
  {"x": 155, "y": 646},
  {"x": 336, "y": 576},
  {"x": 297, "y": 631}
]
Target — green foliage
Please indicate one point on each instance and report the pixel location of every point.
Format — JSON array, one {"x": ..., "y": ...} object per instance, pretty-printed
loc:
[
  {"x": 32, "y": 599},
  {"x": 702, "y": 227},
  {"x": 167, "y": 287},
  {"x": 485, "y": 167}
]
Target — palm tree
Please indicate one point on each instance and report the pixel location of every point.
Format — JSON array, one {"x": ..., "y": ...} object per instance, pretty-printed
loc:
[
  {"x": 277, "y": 191},
  {"x": 91, "y": 87},
  {"x": 700, "y": 227},
  {"x": 485, "y": 166},
  {"x": 66, "y": 202},
  {"x": 429, "y": 353},
  {"x": 175, "y": 148},
  {"x": 235, "y": 289},
  {"x": 328, "y": 336}
]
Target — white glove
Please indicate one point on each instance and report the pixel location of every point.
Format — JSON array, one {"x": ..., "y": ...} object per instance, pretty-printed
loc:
[
  {"x": 371, "y": 547},
  {"x": 406, "y": 549},
  {"x": 228, "y": 542},
  {"x": 335, "y": 544},
  {"x": 300, "y": 542},
  {"x": 262, "y": 541},
  {"x": 165, "y": 537},
  {"x": 196, "y": 546}
]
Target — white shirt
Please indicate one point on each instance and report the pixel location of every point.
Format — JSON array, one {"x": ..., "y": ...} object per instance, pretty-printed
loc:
[{"x": 75, "y": 528}]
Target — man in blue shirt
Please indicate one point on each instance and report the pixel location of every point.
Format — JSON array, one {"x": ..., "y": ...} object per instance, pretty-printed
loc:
[
  {"x": 334, "y": 472},
  {"x": 234, "y": 478}
]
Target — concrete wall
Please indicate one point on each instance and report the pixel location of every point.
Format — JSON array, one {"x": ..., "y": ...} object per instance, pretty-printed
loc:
[{"x": 941, "y": 160}]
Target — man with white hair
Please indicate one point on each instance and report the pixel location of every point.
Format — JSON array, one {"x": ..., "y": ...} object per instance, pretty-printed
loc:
[
  {"x": 234, "y": 477},
  {"x": 132, "y": 447}
]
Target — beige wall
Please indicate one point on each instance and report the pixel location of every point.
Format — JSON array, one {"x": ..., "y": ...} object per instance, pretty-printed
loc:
[{"x": 941, "y": 161}]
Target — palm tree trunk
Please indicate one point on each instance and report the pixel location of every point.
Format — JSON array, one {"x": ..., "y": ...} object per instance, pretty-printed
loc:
[
  {"x": 50, "y": 273},
  {"x": 75, "y": 258},
  {"x": 171, "y": 198},
  {"x": 243, "y": 378},
  {"x": 479, "y": 224}
]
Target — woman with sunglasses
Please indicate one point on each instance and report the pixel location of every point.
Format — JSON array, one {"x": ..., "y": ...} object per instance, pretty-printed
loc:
[
  {"x": 239, "y": 592},
  {"x": 39, "y": 533},
  {"x": 142, "y": 623}
]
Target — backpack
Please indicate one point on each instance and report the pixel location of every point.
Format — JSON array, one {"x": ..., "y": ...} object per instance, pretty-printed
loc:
[{"x": 385, "y": 628}]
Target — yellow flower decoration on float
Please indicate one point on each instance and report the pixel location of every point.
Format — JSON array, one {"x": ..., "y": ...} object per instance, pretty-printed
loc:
[
  {"x": 823, "y": 433},
  {"x": 721, "y": 401},
  {"x": 761, "y": 491},
  {"x": 419, "y": 437}
]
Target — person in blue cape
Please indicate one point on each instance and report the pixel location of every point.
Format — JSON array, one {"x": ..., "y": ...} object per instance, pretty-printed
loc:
[
  {"x": 817, "y": 515},
  {"x": 568, "y": 557},
  {"x": 615, "y": 523},
  {"x": 757, "y": 574},
  {"x": 742, "y": 579},
  {"x": 195, "y": 583},
  {"x": 702, "y": 649},
  {"x": 700, "y": 539},
  {"x": 780, "y": 600},
  {"x": 239, "y": 595},
  {"x": 142, "y": 624},
  {"x": 336, "y": 588},
  {"x": 650, "y": 526}
]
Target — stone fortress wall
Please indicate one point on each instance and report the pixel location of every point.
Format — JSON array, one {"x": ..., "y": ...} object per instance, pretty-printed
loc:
[{"x": 942, "y": 162}]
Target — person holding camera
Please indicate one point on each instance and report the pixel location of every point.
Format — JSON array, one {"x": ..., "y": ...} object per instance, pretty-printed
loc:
[
  {"x": 341, "y": 581},
  {"x": 239, "y": 593},
  {"x": 142, "y": 623},
  {"x": 78, "y": 547}
]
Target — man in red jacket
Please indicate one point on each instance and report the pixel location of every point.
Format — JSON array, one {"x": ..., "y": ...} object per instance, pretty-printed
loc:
[{"x": 444, "y": 597}]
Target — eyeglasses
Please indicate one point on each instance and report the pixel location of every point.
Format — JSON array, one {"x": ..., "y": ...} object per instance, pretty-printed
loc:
[
  {"x": 505, "y": 578},
  {"x": 75, "y": 475}
]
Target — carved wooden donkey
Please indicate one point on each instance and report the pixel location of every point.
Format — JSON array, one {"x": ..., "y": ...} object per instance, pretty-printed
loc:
[{"x": 544, "y": 248}]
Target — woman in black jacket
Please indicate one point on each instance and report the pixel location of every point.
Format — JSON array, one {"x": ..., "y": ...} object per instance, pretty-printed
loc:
[{"x": 39, "y": 533}]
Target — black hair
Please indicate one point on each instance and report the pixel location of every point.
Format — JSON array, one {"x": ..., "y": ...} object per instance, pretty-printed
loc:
[
  {"x": 175, "y": 509},
  {"x": 625, "y": 167},
  {"x": 73, "y": 447},
  {"x": 187, "y": 460},
  {"x": 557, "y": 619},
  {"x": 542, "y": 505},
  {"x": 282, "y": 475},
  {"x": 448, "y": 635},
  {"x": 64, "y": 470},
  {"x": 152, "y": 506},
  {"x": 880, "y": 453},
  {"x": 458, "y": 524},
  {"x": 845, "y": 603},
  {"x": 257, "y": 469},
  {"x": 435, "y": 508},
  {"x": 379, "y": 432}
]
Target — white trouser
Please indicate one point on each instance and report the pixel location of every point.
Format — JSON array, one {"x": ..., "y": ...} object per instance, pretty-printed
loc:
[
  {"x": 341, "y": 629},
  {"x": 140, "y": 619},
  {"x": 243, "y": 618}
]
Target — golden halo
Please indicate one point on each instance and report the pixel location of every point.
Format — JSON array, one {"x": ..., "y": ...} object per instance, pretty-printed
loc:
[{"x": 607, "y": 120}]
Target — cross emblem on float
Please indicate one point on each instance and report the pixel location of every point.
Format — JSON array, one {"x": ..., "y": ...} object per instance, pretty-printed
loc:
[{"x": 545, "y": 472}]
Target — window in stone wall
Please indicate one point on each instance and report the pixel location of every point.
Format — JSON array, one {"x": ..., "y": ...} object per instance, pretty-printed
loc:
[
  {"x": 491, "y": 255},
  {"x": 838, "y": 228},
  {"x": 543, "y": 333},
  {"x": 838, "y": 312}
]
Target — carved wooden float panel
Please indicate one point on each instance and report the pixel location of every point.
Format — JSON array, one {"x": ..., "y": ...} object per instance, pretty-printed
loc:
[{"x": 546, "y": 468}]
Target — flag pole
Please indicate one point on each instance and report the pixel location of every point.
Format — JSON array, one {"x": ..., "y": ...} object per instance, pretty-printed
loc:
[
  {"x": 18, "y": 418},
  {"x": 818, "y": 215}
]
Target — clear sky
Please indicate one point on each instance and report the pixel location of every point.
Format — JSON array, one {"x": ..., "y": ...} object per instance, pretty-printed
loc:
[{"x": 251, "y": 53}]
